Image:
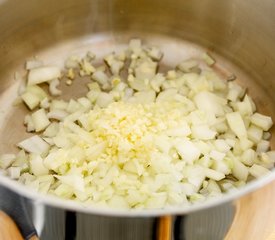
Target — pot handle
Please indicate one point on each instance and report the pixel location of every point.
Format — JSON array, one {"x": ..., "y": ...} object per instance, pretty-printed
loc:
[
  {"x": 9, "y": 230},
  {"x": 165, "y": 228}
]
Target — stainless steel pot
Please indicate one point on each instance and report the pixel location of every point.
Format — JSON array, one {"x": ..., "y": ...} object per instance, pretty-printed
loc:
[{"x": 240, "y": 34}]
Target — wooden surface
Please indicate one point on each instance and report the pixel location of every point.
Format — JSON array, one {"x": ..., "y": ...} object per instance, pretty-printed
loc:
[
  {"x": 8, "y": 229},
  {"x": 255, "y": 216}
]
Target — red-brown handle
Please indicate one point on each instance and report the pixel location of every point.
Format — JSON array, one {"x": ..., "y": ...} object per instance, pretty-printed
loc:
[{"x": 164, "y": 228}]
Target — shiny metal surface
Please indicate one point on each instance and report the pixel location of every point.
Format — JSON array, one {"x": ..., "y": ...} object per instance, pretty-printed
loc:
[{"x": 240, "y": 34}]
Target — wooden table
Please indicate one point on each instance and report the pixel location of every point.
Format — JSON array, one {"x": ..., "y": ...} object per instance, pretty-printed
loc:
[{"x": 255, "y": 216}]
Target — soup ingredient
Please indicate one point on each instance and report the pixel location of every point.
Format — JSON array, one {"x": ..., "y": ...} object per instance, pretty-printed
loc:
[{"x": 148, "y": 140}]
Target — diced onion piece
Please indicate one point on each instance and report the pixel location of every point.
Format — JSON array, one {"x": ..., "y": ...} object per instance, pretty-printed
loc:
[
  {"x": 104, "y": 99},
  {"x": 139, "y": 84},
  {"x": 209, "y": 102},
  {"x": 101, "y": 78},
  {"x": 118, "y": 202},
  {"x": 236, "y": 124},
  {"x": 246, "y": 107},
  {"x": 239, "y": 170},
  {"x": 45, "y": 103},
  {"x": 37, "y": 166},
  {"x": 248, "y": 157},
  {"x": 6, "y": 160},
  {"x": 146, "y": 69},
  {"x": 235, "y": 92},
  {"x": 255, "y": 134},
  {"x": 40, "y": 120},
  {"x": 29, "y": 122},
  {"x": 212, "y": 174},
  {"x": 262, "y": 121},
  {"x": 57, "y": 114},
  {"x": 53, "y": 84},
  {"x": 72, "y": 62},
  {"x": 187, "y": 65},
  {"x": 222, "y": 145},
  {"x": 222, "y": 166},
  {"x": 263, "y": 146},
  {"x": 157, "y": 81},
  {"x": 30, "y": 64},
  {"x": 245, "y": 144},
  {"x": 85, "y": 102},
  {"x": 14, "y": 172},
  {"x": 166, "y": 95},
  {"x": 135, "y": 45},
  {"x": 64, "y": 190},
  {"x": 208, "y": 59},
  {"x": 45, "y": 183},
  {"x": 144, "y": 97},
  {"x": 271, "y": 155},
  {"x": 187, "y": 150},
  {"x": 37, "y": 91},
  {"x": 266, "y": 135},
  {"x": 59, "y": 104},
  {"x": 203, "y": 132},
  {"x": 73, "y": 106},
  {"x": 87, "y": 67},
  {"x": 213, "y": 187},
  {"x": 34, "y": 144},
  {"x": 43, "y": 74},
  {"x": 155, "y": 53},
  {"x": 182, "y": 130},
  {"x": 30, "y": 99},
  {"x": 196, "y": 175},
  {"x": 163, "y": 143},
  {"x": 258, "y": 171},
  {"x": 74, "y": 181},
  {"x": 219, "y": 156},
  {"x": 33, "y": 95}
]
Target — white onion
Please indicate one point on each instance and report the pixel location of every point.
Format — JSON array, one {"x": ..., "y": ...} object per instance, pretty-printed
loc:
[
  {"x": 34, "y": 144},
  {"x": 37, "y": 166},
  {"x": 43, "y": 74},
  {"x": 14, "y": 172},
  {"x": 262, "y": 121},
  {"x": 40, "y": 120},
  {"x": 30, "y": 64},
  {"x": 53, "y": 84},
  {"x": 6, "y": 160}
]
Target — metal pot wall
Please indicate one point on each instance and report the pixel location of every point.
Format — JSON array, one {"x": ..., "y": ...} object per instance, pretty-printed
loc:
[{"x": 240, "y": 34}]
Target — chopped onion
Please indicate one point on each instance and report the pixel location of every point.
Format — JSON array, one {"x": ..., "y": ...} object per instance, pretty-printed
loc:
[
  {"x": 236, "y": 124},
  {"x": 53, "y": 87},
  {"x": 37, "y": 166},
  {"x": 208, "y": 59},
  {"x": 57, "y": 114},
  {"x": 261, "y": 121},
  {"x": 6, "y": 160},
  {"x": 30, "y": 64},
  {"x": 43, "y": 74},
  {"x": 14, "y": 172},
  {"x": 258, "y": 171},
  {"x": 34, "y": 144}
]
